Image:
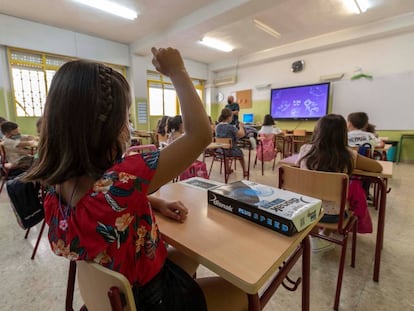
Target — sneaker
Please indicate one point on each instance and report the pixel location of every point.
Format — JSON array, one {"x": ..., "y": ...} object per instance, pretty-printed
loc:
[{"x": 320, "y": 245}]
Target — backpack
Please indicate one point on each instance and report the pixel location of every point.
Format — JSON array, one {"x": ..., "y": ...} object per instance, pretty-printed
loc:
[
  {"x": 267, "y": 144},
  {"x": 365, "y": 149},
  {"x": 358, "y": 205},
  {"x": 197, "y": 169},
  {"x": 26, "y": 202}
]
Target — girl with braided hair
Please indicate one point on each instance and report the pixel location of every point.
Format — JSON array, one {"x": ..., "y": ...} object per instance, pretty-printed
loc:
[{"x": 98, "y": 208}]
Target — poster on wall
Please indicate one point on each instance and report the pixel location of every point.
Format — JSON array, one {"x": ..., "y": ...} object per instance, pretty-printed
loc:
[{"x": 244, "y": 98}]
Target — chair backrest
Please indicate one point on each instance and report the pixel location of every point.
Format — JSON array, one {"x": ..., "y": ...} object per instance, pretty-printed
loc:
[
  {"x": 224, "y": 140},
  {"x": 326, "y": 186},
  {"x": 95, "y": 281},
  {"x": 299, "y": 132}
]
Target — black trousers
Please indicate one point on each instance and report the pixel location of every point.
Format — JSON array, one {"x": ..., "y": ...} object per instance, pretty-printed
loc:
[{"x": 170, "y": 290}]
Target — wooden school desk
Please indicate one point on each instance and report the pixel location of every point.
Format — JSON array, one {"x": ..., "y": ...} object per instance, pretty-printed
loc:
[
  {"x": 381, "y": 180},
  {"x": 244, "y": 253}
]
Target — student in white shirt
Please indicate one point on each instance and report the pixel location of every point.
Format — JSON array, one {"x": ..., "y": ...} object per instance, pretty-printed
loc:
[
  {"x": 357, "y": 131},
  {"x": 268, "y": 126}
]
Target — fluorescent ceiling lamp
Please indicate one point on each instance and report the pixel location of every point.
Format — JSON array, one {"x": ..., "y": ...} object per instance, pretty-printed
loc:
[
  {"x": 110, "y": 7},
  {"x": 357, "y": 6},
  {"x": 269, "y": 30},
  {"x": 216, "y": 44}
]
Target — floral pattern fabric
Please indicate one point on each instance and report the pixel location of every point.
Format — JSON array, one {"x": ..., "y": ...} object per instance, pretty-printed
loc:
[{"x": 113, "y": 223}]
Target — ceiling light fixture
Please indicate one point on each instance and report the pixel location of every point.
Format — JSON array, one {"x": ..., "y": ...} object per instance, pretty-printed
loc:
[
  {"x": 357, "y": 6},
  {"x": 216, "y": 44},
  {"x": 269, "y": 30},
  {"x": 110, "y": 7}
]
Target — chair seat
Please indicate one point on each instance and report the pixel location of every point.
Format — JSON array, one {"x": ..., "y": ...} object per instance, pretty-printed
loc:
[{"x": 334, "y": 226}]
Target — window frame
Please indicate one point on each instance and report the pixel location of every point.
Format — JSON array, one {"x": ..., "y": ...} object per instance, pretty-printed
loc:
[{"x": 44, "y": 66}]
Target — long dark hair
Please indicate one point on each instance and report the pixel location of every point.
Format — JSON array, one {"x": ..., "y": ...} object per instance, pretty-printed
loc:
[
  {"x": 225, "y": 113},
  {"x": 329, "y": 151},
  {"x": 174, "y": 123},
  {"x": 85, "y": 113},
  {"x": 162, "y": 124},
  {"x": 268, "y": 120}
]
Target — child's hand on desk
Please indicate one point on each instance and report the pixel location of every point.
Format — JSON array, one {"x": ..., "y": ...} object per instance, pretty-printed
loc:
[{"x": 171, "y": 209}]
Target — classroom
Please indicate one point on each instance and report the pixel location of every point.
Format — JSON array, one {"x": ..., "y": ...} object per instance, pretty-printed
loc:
[{"x": 367, "y": 63}]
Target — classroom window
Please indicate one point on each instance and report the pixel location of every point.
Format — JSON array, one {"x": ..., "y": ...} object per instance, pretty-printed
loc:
[
  {"x": 162, "y": 98},
  {"x": 31, "y": 75}
]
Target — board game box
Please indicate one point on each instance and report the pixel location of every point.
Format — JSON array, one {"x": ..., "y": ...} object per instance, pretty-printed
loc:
[{"x": 282, "y": 211}]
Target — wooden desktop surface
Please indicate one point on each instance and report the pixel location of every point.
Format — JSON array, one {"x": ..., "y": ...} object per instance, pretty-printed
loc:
[{"x": 242, "y": 252}]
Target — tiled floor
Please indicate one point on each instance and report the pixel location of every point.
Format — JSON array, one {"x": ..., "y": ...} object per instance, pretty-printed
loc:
[{"x": 40, "y": 284}]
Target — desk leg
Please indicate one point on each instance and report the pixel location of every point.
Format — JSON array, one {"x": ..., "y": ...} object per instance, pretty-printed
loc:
[
  {"x": 254, "y": 302},
  {"x": 381, "y": 224},
  {"x": 226, "y": 172},
  {"x": 70, "y": 286},
  {"x": 306, "y": 267},
  {"x": 248, "y": 163}
]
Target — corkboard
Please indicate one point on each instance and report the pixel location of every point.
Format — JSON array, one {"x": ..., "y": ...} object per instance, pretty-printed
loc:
[{"x": 244, "y": 98}]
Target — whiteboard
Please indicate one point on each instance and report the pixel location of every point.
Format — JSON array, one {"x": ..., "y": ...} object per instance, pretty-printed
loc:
[{"x": 388, "y": 100}]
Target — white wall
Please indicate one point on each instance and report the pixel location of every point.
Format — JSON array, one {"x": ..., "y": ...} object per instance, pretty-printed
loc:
[
  {"x": 25, "y": 34},
  {"x": 21, "y": 33},
  {"x": 379, "y": 58}
]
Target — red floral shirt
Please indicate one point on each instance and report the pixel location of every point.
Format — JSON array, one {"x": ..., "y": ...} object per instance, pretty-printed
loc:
[{"x": 113, "y": 224}]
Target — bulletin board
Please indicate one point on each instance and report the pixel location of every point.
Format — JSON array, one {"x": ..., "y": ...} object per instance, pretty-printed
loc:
[{"x": 244, "y": 98}]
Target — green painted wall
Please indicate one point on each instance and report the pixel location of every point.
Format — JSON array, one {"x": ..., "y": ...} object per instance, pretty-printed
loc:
[{"x": 261, "y": 107}]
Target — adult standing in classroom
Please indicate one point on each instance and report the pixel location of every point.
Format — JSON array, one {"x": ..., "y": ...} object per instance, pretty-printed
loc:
[{"x": 235, "y": 108}]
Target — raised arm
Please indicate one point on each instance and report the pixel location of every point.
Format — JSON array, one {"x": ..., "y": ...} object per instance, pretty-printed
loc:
[
  {"x": 242, "y": 131},
  {"x": 177, "y": 156}
]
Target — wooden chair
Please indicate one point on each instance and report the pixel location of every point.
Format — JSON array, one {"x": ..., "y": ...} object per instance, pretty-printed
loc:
[
  {"x": 225, "y": 158},
  {"x": 332, "y": 187},
  {"x": 103, "y": 289},
  {"x": 262, "y": 141},
  {"x": 5, "y": 171},
  {"x": 298, "y": 139}
]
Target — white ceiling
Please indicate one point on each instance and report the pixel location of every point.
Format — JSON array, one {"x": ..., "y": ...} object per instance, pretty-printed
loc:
[{"x": 181, "y": 23}]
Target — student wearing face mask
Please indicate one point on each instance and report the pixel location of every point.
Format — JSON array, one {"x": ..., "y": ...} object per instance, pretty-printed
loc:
[{"x": 17, "y": 147}]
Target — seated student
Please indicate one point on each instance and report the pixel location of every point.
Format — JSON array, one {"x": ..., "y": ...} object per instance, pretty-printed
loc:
[
  {"x": 161, "y": 131},
  {"x": 227, "y": 130},
  {"x": 175, "y": 128},
  {"x": 268, "y": 126},
  {"x": 357, "y": 131},
  {"x": 17, "y": 147},
  {"x": 98, "y": 207},
  {"x": 329, "y": 152},
  {"x": 2, "y": 120}
]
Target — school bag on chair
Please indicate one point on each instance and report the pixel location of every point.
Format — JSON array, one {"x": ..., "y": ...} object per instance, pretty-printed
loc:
[
  {"x": 268, "y": 146},
  {"x": 25, "y": 198},
  {"x": 197, "y": 169}
]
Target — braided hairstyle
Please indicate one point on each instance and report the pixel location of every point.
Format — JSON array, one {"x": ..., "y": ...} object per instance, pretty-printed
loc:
[{"x": 85, "y": 123}]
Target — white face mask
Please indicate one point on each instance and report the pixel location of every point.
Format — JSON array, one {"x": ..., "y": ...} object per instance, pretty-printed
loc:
[{"x": 15, "y": 137}]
